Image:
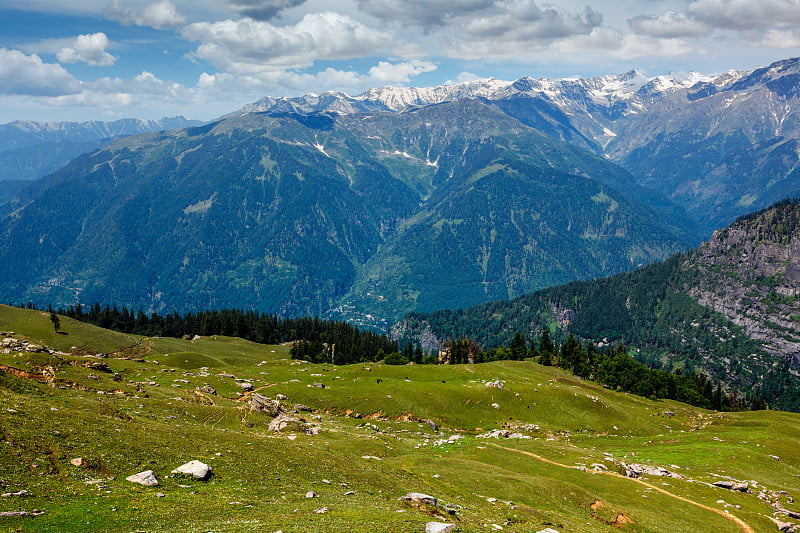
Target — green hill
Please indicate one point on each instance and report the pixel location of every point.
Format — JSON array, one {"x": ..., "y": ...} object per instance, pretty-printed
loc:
[
  {"x": 142, "y": 408},
  {"x": 728, "y": 309}
]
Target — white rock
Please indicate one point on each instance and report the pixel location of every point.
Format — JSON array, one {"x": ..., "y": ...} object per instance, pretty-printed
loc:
[
  {"x": 146, "y": 478},
  {"x": 195, "y": 469},
  {"x": 439, "y": 527},
  {"x": 419, "y": 498}
]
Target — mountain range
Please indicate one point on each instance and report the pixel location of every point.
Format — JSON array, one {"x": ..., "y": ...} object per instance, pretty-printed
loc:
[
  {"x": 31, "y": 150},
  {"x": 403, "y": 199}
]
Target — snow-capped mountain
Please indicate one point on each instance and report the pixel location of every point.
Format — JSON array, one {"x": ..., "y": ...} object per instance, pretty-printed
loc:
[
  {"x": 720, "y": 145},
  {"x": 23, "y": 133}
]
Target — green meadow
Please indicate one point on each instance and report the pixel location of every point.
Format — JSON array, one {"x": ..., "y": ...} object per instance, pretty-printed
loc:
[{"x": 140, "y": 407}]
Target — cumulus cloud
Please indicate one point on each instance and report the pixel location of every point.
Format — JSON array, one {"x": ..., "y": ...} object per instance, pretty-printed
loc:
[
  {"x": 518, "y": 27},
  {"x": 668, "y": 25},
  {"x": 610, "y": 42},
  {"x": 781, "y": 39},
  {"x": 422, "y": 12},
  {"x": 746, "y": 14},
  {"x": 251, "y": 46},
  {"x": 28, "y": 75},
  {"x": 89, "y": 48},
  {"x": 263, "y": 9},
  {"x": 160, "y": 15}
]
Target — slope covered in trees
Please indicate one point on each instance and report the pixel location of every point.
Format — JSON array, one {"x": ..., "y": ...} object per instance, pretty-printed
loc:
[{"x": 725, "y": 309}]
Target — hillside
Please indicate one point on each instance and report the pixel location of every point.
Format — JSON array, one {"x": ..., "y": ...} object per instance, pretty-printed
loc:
[
  {"x": 728, "y": 308},
  {"x": 518, "y": 447},
  {"x": 306, "y": 214}
]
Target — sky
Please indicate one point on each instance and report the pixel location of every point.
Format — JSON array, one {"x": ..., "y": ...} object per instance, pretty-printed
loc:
[{"x": 111, "y": 59}]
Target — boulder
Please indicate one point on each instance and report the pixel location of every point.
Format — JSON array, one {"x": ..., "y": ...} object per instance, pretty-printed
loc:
[
  {"x": 432, "y": 424},
  {"x": 495, "y": 384},
  {"x": 318, "y": 385},
  {"x": 302, "y": 408},
  {"x": 285, "y": 422},
  {"x": 246, "y": 386},
  {"x": 418, "y": 497},
  {"x": 146, "y": 478},
  {"x": 311, "y": 494},
  {"x": 439, "y": 527},
  {"x": 195, "y": 469},
  {"x": 208, "y": 389},
  {"x": 724, "y": 484},
  {"x": 636, "y": 470},
  {"x": 79, "y": 461},
  {"x": 547, "y": 530},
  {"x": 262, "y": 404}
]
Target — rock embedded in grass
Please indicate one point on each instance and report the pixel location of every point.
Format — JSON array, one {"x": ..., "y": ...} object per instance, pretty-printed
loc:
[
  {"x": 418, "y": 497},
  {"x": 146, "y": 478},
  {"x": 439, "y": 527},
  {"x": 195, "y": 469}
]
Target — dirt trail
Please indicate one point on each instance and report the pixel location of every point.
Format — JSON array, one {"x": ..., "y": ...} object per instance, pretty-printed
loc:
[{"x": 738, "y": 521}]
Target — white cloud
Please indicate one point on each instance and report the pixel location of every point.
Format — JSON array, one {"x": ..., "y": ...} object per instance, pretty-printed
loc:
[
  {"x": 781, "y": 39},
  {"x": 89, "y": 48},
  {"x": 385, "y": 72},
  {"x": 668, "y": 25},
  {"x": 746, "y": 15},
  {"x": 89, "y": 98},
  {"x": 608, "y": 42},
  {"x": 29, "y": 75},
  {"x": 250, "y": 46},
  {"x": 160, "y": 15}
]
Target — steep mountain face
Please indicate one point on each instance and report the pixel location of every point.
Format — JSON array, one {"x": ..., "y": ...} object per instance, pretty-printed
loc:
[
  {"x": 730, "y": 308},
  {"x": 720, "y": 146},
  {"x": 363, "y": 216},
  {"x": 31, "y": 150}
]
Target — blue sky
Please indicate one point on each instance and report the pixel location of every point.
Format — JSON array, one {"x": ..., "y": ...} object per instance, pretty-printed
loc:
[{"x": 108, "y": 59}]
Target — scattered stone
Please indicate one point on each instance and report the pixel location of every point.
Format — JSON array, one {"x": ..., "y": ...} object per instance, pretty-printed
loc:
[
  {"x": 349, "y": 493},
  {"x": 14, "y": 514},
  {"x": 371, "y": 457},
  {"x": 79, "y": 461},
  {"x": 668, "y": 414},
  {"x": 724, "y": 484},
  {"x": 208, "y": 389},
  {"x": 418, "y": 497},
  {"x": 495, "y": 434},
  {"x": 146, "y": 478},
  {"x": 284, "y": 422},
  {"x": 547, "y": 530},
  {"x": 439, "y": 527},
  {"x": 281, "y": 397},
  {"x": 262, "y": 404},
  {"x": 195, "y": 469},
  {"x": 495, "y": 384},
  {"x": 636, "y": 470},
  {"x": 432, "y": 424},
  {"x": 160, "y": 495},
  {"x": 741, "y": 487},
  {"x": 775, "y": 457},
  {"x": 19, "y": 493},
  {"x": 302, "y": 408},
  {"x": 246, "y": 386},
  {"x": 318, "y": 385},
  {"x": 323, "y": 510},
  {"x": 311, "y": 494},
  {"x": 496, "y": 405}
]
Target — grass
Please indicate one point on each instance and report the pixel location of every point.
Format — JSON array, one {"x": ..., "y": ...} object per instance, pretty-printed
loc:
[{"x": 145, "y": 414}]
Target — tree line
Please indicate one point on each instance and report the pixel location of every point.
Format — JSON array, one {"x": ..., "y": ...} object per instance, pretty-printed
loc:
[{"x": 314, "y": 339}]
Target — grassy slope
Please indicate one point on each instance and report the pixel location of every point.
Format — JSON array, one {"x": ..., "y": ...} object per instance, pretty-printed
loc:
[{"x": 123, "y": 427}]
